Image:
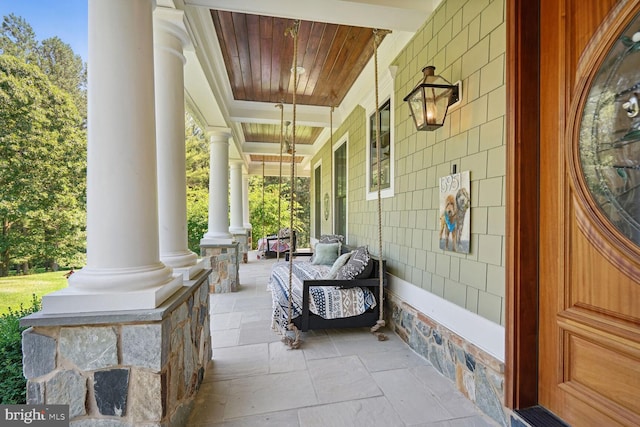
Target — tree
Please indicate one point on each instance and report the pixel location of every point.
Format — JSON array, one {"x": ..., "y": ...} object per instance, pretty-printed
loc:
[
  {"x": 55, "y": 58},
  {"x": 42, "y": 146},
  {"x": 303, "y": 200},
  {"x": 18, "y": 39},
  {"x": 42, "y": 168},
  {"x": 197, "y": 169},
  {"x": 197, "y": 155},
  {"x": 65, "y": 69}
]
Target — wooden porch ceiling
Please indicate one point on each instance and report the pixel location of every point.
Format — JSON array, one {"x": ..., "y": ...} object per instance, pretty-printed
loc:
[
  {"x": 258, "y": 58},
  {"x": 268, "y": 133},
  {"x": 286, "y": 160}
]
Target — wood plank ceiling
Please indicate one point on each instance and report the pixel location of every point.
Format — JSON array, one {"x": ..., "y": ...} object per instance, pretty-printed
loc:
[{"x": 258, "y": 57}]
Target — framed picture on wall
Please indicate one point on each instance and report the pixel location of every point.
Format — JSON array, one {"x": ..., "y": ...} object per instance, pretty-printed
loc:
[{"x": 455, "y": 201}]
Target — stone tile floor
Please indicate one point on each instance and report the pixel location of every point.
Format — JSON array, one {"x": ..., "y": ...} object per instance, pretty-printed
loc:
[{"x": 337, "y": 378}]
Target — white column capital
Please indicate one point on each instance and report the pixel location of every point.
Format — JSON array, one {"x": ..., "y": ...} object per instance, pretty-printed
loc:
[
  {"x": 218, "y": 134},
  {"x": 171, "y": 22}
]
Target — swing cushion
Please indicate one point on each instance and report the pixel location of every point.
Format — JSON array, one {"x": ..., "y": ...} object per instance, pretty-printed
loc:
[
  {"x": 359, "y": 265},
  {"x": 342, "y": 260},
  {"x": 326, "y": 253}
]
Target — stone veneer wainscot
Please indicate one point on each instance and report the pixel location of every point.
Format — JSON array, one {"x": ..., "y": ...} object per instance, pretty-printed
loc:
[
  {"x": 122, "y": 369},
  {"x": 477, "y": 374}
]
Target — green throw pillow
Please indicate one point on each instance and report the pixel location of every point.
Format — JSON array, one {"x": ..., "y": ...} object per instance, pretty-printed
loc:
[
  {"x": 326, "y": 253},
  {"x": 342, "y": 260}
]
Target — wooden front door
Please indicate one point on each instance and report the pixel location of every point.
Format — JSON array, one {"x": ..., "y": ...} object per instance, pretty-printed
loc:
[{"x": 589, "y": 271}]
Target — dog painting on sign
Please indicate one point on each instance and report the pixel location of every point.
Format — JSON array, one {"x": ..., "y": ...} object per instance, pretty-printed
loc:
[{"x": 455, "y": 202}]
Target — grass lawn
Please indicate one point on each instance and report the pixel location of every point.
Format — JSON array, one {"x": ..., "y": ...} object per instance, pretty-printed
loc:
[{"x": 15, "y": 290}]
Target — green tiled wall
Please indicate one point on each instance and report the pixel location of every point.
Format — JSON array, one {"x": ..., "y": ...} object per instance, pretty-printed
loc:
[{"x": 465, "y": 40}]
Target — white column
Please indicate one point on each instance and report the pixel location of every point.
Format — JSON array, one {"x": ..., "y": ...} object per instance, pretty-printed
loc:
[
  {"x": 218, "y": 227},
  {"x": 236, "y": 199},
  {"x": 245, "y": 202},
  {"x": 123, "y": 269},
  {"x": 170, "y": 38}
]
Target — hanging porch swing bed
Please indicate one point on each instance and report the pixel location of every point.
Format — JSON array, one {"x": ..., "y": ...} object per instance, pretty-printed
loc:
[
  {"x": 278, "y": 244},
  {"x": 339, "y": 290}
]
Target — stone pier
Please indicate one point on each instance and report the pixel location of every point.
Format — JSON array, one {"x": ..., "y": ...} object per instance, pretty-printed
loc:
[
  {"x": 244, "y": 242},
  {"x": 126, "y": 368},
  {"x": 224, "y": 261}
]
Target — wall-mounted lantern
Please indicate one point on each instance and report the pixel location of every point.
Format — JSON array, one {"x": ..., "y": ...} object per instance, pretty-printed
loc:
[{"x": 430, "y": 100}]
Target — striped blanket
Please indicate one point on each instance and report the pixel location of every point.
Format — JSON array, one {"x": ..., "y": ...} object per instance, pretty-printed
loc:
[{"x": 330, "y": 302}]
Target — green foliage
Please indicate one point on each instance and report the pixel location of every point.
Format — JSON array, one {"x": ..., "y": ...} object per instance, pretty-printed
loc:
[
  {"x": 197, "y": 216},
  {"x": 42, "y": 168},
  {"x": 12, "y": 381},
  {"x": 303, "y": 199},
  {"x": 197, "y": 168},
  {"x": 263, "y": 212},
  {"x": 197, "y": 155}
]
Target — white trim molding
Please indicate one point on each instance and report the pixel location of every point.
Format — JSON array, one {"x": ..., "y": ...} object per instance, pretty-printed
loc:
[
  {"x": 314, "y": 219},
  {"x": 386, "y": 92},
  {"x": 344, "y": 139}
]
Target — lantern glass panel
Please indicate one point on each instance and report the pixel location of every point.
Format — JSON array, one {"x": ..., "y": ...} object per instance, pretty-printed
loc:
[{"x": 416, "y": 103}]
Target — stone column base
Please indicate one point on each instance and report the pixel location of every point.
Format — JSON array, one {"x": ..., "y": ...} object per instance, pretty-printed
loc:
[
  {"x": 244, "y": 241},
  {"x": 224, "y": 262},
  {"x": 138, "y": 367}
]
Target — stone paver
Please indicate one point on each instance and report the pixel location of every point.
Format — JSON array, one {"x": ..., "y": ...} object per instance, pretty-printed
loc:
[{"x": 336, "y": 378}]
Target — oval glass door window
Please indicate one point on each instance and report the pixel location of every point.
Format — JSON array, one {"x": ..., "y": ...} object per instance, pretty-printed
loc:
[{"x": 609, "y": 142}]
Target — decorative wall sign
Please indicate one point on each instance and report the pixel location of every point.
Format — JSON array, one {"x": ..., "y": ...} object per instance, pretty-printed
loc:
[
  {"x": 326, "y": 206},
  {"x": 455, "y": 201}
]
